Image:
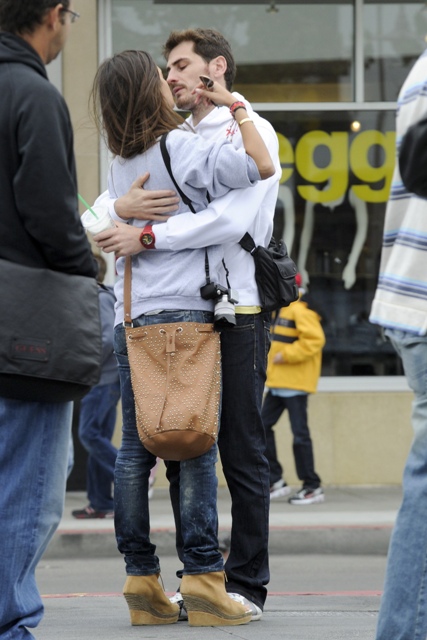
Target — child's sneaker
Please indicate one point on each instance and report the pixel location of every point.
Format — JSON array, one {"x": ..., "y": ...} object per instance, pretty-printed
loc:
[
  {"x": 89, "y": 513},
  {"x": 279, "y": 489},
  {"x": 308, "y": 496}
]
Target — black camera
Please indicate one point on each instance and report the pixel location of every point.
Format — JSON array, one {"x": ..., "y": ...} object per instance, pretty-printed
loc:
[{"x": 225, "y": 299}]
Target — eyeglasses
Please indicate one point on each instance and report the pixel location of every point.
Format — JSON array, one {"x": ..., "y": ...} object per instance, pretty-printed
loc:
[{"x": 74, "y": 15}]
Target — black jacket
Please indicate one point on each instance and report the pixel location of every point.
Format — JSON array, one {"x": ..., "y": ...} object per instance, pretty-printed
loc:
[
  {"x": 39, "y": 220},
  {"x": 413, "y": 159}
]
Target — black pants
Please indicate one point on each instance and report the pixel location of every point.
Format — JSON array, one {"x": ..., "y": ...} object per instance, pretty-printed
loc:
[
  {"x": 272, "y": 409},
  {"x": 241, "y": 442}
]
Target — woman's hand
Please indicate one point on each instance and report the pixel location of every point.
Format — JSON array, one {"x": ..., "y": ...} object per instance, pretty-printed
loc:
[{"x": 217, "y": 95}]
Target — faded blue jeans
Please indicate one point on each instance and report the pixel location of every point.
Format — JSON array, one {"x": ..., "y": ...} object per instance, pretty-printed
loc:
[
  {"x": 98, "y": 411},
  {"x": 403, "y": 611},
  {"x": 34, "y": 445},
  {"x": 198, "y": 482}
]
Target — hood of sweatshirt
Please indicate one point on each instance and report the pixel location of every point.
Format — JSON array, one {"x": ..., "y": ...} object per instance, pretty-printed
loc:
[{"x": 15, "y": 49}]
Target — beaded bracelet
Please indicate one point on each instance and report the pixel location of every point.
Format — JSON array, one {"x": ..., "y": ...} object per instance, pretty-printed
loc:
[{"x": 236, "y": 105}]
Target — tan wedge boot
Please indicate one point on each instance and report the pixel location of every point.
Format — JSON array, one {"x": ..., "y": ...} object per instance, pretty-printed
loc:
[
  {"x": 208, "y": 604},
  {"x": 147, "y": 601}
]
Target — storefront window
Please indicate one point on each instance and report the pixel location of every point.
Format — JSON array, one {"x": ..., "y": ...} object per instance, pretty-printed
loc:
[
  {"x": 394, "y": 36},
  {"x": 337, "y": 169},
  {"x": 337, "y": 163},
  {"x": 292, "y": 53}
]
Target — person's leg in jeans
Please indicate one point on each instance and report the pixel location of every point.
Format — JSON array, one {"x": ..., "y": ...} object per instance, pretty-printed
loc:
[
  {"x": 272, "y": 409},
  {"x": 241, "y": 442},
  {"x": 133, "y": 466},
  {"x": 98, "y": 411},
  {"x": 403, "y": 610},
  {"x": 199, "y": 515},
  {"x": 132, "y": 455},
  {"x": 302, "y": 444},
  {"x": 34, "y": 446}
]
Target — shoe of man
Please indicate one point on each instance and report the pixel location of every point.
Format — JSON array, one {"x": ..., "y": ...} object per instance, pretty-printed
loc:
[
  {"x": 183, "y": 615},
  {"x": 256, "y": 610},
  {"x": 279, "y": 489},
  {"x": 179, "y": 600},
  {"x": 308, "y": 496},
  {"x": 89, "y": 513}
]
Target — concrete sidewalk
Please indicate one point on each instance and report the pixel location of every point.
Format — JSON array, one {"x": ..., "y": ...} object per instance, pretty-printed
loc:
[{"x": 352, "y": 520}]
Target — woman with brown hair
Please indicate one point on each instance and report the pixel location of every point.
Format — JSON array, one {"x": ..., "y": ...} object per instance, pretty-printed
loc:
[{"x": 134, "y": 105}]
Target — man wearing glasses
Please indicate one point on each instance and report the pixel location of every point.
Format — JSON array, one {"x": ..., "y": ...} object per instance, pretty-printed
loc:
[{"x": 39, "y": 228}]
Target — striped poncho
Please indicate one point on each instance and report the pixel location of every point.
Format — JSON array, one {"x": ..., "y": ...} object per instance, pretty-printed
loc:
[{"x": 400, "y": 300}]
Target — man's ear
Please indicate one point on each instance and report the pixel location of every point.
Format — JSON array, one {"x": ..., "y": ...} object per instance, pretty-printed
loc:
[
  {"x": 54, "y": 16},
  {"x": 217, "y": 67}
]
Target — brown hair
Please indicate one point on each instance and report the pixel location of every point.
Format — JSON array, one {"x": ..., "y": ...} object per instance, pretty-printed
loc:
[
  {"x": 102, "y": 267},
  {"x": 128, "y": 103},
  {"x": 208, "y": 44}
]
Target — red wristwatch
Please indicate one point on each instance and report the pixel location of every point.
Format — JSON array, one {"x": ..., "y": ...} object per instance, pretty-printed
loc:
[{"x": 147, "y": 237}]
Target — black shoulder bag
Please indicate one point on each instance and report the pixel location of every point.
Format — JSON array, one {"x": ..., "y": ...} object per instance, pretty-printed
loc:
[{"x": 275, "y": 273}]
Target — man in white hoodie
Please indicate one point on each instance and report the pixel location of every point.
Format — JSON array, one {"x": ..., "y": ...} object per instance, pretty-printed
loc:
[{"x": 190, "y": 54}]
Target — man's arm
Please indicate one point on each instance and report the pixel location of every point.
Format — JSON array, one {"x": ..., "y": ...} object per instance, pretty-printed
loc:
[
  {"x": 225, "y": 221},
  {"x": 48, "y": 209},
  {"x": 413, "y": 159},
  {"x": 227, "y": 218},
  {"x": 141, "y": 203}
]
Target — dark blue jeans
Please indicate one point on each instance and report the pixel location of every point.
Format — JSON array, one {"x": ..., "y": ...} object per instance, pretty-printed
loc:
[
  {"x": 98, "y": 411},
  {"x": 241, "y": 441},
  {"x": 272, "y": 409},
  {"x": 198, "y": 518}
]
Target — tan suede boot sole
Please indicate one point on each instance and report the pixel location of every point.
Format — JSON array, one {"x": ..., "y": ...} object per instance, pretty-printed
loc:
[{"x": 143, "y": 613}]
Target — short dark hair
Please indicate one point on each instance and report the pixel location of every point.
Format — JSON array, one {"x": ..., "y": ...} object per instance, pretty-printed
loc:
[
  {"x": 24, "y": 16},
  {"x": 208, "y": 44}
]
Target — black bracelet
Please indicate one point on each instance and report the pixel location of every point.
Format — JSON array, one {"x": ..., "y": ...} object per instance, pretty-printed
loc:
[{"x": 234, "y": 111}]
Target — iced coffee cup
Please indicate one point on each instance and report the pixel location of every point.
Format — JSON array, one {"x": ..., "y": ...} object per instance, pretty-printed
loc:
[{"x": 99, "y": 222}]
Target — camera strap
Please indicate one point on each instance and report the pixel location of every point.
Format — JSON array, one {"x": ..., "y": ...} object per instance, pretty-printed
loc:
[{"x": 186, "y": 200}]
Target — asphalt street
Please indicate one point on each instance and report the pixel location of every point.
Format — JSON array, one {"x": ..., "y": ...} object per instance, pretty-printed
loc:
[
  {"x": 311, "y": 597},
  {"x": 327, "y": 566}
]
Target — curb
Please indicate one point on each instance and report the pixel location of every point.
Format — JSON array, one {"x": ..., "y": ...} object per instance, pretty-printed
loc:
[{"x": 339, "y": 540}]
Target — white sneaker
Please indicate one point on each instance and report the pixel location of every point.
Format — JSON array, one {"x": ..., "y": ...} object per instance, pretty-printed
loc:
[
  {"x": 279, "y": 489},
  {"x": 179, "y": 600},
  {"x": 256, "y": 610},
  {"x": 308, "y": 496}
]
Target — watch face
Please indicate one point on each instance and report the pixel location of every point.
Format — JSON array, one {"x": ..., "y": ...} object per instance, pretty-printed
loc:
[{"x": 147, "y": 239}]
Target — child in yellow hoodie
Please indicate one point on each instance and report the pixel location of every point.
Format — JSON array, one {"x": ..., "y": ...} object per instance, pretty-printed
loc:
[{"x": 294, "y": 365}]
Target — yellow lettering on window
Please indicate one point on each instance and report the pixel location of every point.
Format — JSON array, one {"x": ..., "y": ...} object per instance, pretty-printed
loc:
[
  {"x": 286, "y": 157},
  {"x": 334, "y": 172},
  {"x": 378, "y": 146}
]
